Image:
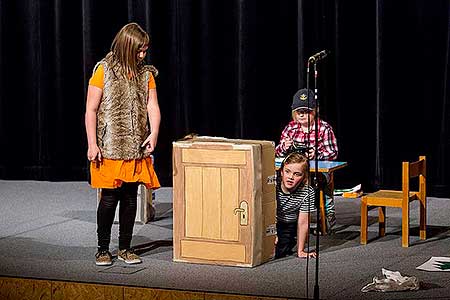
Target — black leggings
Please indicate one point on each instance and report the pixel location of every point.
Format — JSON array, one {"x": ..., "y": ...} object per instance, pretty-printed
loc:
[
  {"x": 127, "y": 195},
  {"x": 287, "y": 238}
]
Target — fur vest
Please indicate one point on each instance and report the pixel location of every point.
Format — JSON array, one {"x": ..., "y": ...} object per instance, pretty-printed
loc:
[{"x": 122, "y": 123}]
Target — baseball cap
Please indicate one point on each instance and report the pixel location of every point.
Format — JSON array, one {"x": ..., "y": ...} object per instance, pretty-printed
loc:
[{"x": 300, "y": 99}]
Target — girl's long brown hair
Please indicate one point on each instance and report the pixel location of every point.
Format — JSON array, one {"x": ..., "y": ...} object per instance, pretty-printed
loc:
[{"x": 126, "y": 46}]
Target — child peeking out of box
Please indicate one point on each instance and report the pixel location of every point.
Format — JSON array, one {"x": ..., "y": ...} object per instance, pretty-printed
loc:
[{"x": 295, "y": 201}]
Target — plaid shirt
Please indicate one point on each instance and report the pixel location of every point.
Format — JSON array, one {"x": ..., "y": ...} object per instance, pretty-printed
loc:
[{"x": 327, "y": 145}]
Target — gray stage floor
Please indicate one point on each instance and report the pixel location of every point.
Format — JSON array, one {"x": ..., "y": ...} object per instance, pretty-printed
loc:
[{"x": 47, "y": 230}]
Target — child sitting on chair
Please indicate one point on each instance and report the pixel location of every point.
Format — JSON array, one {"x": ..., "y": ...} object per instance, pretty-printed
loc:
[{"x": 295, "y": 201}]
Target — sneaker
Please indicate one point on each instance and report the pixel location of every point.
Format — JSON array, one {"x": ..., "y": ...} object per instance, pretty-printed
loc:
[
  {"x": 103, "y": 258},
  {"x": 128, "y": 256},
  {"x": 331, "y": 222},
  {"x": 317, "y": 230}
]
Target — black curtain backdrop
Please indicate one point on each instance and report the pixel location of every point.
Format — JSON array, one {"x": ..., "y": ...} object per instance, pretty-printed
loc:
[{"x": 230, "y": 68}]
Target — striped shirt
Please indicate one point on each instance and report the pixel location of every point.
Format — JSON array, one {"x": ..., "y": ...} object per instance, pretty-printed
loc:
[
  {"x": 327, "y": 145},
  {"x": 289, "y": 205}
]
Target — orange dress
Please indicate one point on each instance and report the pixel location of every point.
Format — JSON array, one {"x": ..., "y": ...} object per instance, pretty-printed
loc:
[{"x": 110, "y": 173}]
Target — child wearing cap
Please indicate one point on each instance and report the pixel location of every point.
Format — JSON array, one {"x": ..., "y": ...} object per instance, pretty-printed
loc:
[{"x": 301, "y": 130}]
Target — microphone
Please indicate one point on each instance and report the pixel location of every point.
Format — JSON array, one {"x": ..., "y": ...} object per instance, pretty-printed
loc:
[{"x": 318, "y": 56}]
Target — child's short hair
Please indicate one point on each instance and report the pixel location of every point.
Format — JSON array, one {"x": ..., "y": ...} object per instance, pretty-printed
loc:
[{"x": 295, "y": 157}]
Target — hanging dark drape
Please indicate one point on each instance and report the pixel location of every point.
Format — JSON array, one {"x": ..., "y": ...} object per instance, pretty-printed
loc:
[{"x": 230, "y": 68}]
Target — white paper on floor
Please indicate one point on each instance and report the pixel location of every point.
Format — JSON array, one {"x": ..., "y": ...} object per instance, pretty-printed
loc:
[
  {"x": 436, "y": 264},
  {"x": 392, "y": 282}
]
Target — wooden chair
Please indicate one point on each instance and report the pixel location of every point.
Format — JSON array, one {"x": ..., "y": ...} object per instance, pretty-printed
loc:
[{"x": 400, "y": 199}]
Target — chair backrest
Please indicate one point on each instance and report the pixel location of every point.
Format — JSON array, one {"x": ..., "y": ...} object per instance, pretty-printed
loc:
[{"x": 412, "y": 170}]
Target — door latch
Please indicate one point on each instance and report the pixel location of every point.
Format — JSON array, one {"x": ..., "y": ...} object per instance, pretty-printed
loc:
[{"x": 243, "y": 210}]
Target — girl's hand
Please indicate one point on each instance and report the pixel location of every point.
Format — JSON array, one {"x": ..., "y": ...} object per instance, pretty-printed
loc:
[
  {"x": 150, "y": 143},
  {"x": 311, "y": 153},
  {"x": 94, "y": 153},
  {"x": 287, "y": 144}
]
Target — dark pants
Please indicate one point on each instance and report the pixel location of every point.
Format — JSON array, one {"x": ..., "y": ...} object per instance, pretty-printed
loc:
[
  {"x": 127, "y": 195},
  {"x": 287, "y": 238}
]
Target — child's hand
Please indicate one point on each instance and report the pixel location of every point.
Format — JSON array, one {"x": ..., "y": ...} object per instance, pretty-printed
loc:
[
  {"x": 303, "y": 254},
  {"x": 150, "y": 143},
  {"x": 288, "y": 143},
  {"x": 311, "y": 153},
  {"x": 94, "y": 153}
]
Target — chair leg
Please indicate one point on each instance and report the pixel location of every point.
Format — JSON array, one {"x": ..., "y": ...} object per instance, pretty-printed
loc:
[
  {"x": 363, "y": 229},
  {"x": 381, "y": 221},
  {"x": 423, "y": 219},
  {"x": 405, "y": 225},
  {"x": 323, "y": 223}
]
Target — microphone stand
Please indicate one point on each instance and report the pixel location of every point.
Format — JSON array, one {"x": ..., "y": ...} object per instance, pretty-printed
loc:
[{"x": 316, "y": 166}]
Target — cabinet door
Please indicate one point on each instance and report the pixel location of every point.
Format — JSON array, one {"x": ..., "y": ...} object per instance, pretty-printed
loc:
[{"x": 216, "y": 206}]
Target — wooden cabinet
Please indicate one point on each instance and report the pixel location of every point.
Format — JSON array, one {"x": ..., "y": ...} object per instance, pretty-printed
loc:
[{"x": 224, "y": 201}]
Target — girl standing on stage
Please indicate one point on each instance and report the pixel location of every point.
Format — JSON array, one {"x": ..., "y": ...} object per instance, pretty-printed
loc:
[{"x": 122, "y": 124}]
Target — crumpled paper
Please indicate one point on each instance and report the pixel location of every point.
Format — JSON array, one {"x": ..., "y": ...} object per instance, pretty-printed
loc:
[{"x": 392, "y": 282}]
